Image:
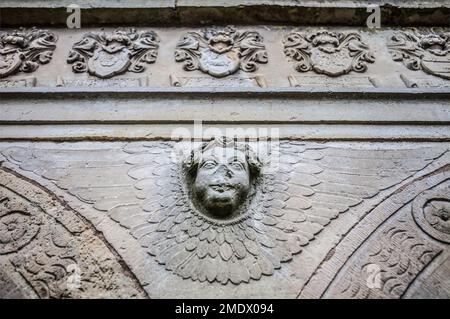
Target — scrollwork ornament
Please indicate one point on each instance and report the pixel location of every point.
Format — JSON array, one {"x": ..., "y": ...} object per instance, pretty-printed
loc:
[
  {"x": 329, "y": 53},
  {"x": 106, "y": 55},
  {"x": 221, "y": 52},
  {"x": 431, "y": 211},
  {"x": 427, "y": 51},
  {"x": 24, "y": 50}
]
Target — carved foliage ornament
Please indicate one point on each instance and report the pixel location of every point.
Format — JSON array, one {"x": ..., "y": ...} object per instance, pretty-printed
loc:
[
  {"x": 429, "y": 52},
  {"x": 106, "y": 55},
  {"x": 330, "y": 53},
  {"x": 23, "y": 50},
  {"x": 220, "y": 52}
]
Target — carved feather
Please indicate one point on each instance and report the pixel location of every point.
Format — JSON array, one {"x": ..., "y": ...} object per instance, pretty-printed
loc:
[{"x": 139, "y": 187}]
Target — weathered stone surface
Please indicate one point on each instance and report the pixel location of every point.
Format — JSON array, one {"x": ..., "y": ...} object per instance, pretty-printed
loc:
[
  {"x": 232, "y": 149},
  {"x": 257, "y": 56},
  {"x": 106, "y": 55},
  {"x": 56, "y": 252},
  {"x": 189, "y": 12},
  {"x": 23, "y": 50},
  {"x": 309, "y": 208}
]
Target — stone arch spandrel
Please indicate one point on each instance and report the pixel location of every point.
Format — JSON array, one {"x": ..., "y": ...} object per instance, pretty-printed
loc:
[
  {"x": 387, "y": 254},
  {"x": 48, "y": 251}
]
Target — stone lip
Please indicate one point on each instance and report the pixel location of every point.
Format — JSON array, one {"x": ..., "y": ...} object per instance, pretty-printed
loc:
[
  {"x": 415, "y": 93},
  {"x": 197, "y": 12}
]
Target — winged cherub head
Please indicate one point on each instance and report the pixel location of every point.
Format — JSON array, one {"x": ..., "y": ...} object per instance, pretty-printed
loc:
[{"x": 221, "y": 176}]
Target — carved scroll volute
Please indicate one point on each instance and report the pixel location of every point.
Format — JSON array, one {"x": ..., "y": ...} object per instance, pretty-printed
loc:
[
  {"x": 106, "y": 55},
  {"x": 221, "y": 52},
  {"x": 429, "y": 52},
  {"x": 19, "y": 224},
  {"x": 24, "y": 50},
  {"x": 329, "y": 53},
  {"x": 431, "y": 211}
]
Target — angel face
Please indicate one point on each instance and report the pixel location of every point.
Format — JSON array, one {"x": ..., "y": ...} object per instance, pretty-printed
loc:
[{"x": 222, "y": 181}]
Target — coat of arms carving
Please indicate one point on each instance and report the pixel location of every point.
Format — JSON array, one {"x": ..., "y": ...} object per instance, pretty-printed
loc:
[
  {"x": 106, "y": 55},
  {"x": 429, "y": 52},
  {"x": 329, "y": 53},
  {"x": 24, "y": 50},
  {"x": 221, "y": 52}
]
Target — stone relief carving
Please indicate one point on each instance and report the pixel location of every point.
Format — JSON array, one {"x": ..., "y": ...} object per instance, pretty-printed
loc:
[
  {"x": 329, "y": 53},
  {"x": 429, "y": 51},
  {"x": 386, "y": 253},
  {"x": 53, "y": 249},
  {"x": 398, "y": 256},
  {"x": 219, "y": 216},
  {"x": 24, "y": 50},
  {"x": 431, "y": 211},
  {"x": 221, "y": 52},
  {"x": 106, "y": 55},
  {"x": 18, "y": 226}
]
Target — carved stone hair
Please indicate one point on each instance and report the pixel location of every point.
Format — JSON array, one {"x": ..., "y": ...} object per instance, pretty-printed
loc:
[{"x": 190, "y": 164}]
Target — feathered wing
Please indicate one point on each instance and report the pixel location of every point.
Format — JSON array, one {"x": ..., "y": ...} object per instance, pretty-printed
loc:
[{"x": 139, "y": 186}]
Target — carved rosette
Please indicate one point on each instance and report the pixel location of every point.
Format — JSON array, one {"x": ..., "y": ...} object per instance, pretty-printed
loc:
[
  {"x": 24, "y": 50},
  {"x": 18, "y": 225},
  {"x": 106, "y": 55},
  {"x": 329, "y": 53},
  {"x": 431, "y": 211},
  {"x": 221, "y": 52},
  {"x": 429, "y": 52}
]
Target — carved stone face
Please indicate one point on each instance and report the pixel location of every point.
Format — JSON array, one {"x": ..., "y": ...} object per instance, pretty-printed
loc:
[{"x": 222, "y": 182}]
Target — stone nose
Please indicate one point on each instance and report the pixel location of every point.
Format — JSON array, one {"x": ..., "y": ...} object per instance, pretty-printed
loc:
[{"x": 223, "y": 170}]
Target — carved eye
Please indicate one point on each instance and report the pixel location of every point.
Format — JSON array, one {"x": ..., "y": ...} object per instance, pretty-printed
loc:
[
  {"x": 237, "y": 165},
  {"x": 209, "y": 164}
]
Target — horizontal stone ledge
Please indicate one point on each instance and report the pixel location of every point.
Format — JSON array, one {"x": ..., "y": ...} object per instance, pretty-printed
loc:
[
  {"x": 439, "y": 133},
  {"x": 141, "y": 4},
  {"x": 280, "y": 108},
  {"x": 275, "y": 92},
  {"x": 197, "y": 12}
]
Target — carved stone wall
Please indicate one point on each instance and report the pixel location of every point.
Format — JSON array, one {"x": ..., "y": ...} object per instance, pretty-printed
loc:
[{"x": 218, "y": 160}]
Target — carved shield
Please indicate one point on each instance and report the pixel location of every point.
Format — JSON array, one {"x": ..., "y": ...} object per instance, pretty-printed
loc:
[
  {"x": 9, "y": 63},
  {"x": 332, "y": 64},
  {"x": 437, "y": 65},
  {"x": 221, "y": 52},
  {"x": 106, "y": 65},
  {"x": 219, "y": 65}
]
